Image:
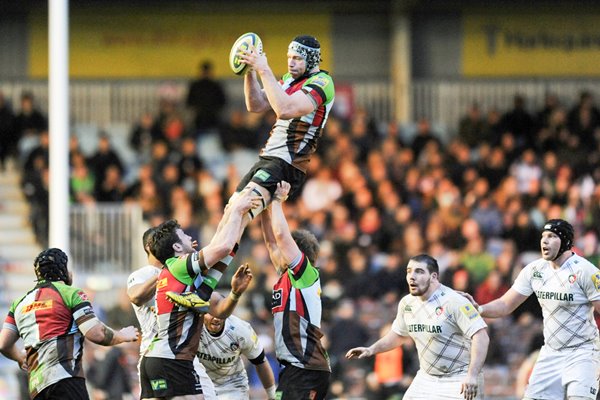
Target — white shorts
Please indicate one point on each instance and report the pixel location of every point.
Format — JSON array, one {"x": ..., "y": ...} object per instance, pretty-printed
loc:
[
  {"x": 225, "y": 393},
  {"x": 429, "y": 387},
  {"x": 570, "y": 371}
]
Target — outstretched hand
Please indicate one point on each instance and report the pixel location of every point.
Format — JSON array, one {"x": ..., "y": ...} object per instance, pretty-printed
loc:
[
  {"x": 358, "y": 352},
  {"x": 241, "y": 279},
  {"x": 129, "y": 334}
]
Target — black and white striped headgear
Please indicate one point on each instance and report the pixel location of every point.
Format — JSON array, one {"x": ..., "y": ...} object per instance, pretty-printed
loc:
[
  {"x": 309, "y": 48},
  {"x": 564, "y": 231}
]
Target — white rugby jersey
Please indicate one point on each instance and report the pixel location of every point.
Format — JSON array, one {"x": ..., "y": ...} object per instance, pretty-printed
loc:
[
  {"x": 441, "y": 327},
  {"x": 145, "y": 314},
  {"x": 220, "y": 354},
  {"x": 565, "y": 295}
]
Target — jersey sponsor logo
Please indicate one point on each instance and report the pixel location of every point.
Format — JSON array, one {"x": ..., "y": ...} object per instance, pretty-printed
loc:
[
  {"x": 161, "y": 283},
  {"x": 37, "y": 305},
  {"x": 158, "y": 384},
  {"x": 554, "y": 296},
  {"x": 277, "y": 298},
  {"x": 320, "y": 81},
  {"x": 262, "y": 175},
  {"x": 537, "y": 275},
  {"x": 215, "y": 359},
  {"x": 596, "y": 280},
  {"x": 469, "y": 311},
  {"x": 424, "y": 328},
  {"x": 572, "y": 279}
]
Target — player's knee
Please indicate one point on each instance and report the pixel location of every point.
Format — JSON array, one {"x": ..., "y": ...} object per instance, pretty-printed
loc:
[{"x": 259, "y": 192}]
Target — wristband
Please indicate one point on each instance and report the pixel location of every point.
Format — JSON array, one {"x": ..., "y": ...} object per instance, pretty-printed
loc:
[
  {"x": 271, "y": 392},
  {"x": 234, "y": 296}
]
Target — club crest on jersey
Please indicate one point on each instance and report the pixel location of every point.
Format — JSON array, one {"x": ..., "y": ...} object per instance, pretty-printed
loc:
[
  {"x": 83, "y": 296},
  {"x": 234, "y": 346},
  {"x": 572, "y": 278},
  {"x": 277, "y": 298},
  {"x": 439, "y": 311},
  {"x": 596, "y": 280}
]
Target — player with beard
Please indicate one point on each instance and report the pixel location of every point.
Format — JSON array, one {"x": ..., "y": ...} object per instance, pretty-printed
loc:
[
  {"x": 450, "y": 335},
  {"x": 568, "y": 289}
]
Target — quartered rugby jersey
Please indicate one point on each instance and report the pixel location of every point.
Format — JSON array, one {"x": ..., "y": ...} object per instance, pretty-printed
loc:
[
  {"x": 294, "y": 140},
  {"x": 178, "y": 328},
  {"x": 47, "y": 319},
  {"x": 442, "y": 327},
  {"x": 565, "y": 295},
  {"x": 297, "y": 309}
]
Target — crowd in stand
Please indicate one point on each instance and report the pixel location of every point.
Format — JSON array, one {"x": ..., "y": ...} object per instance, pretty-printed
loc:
[{"x": 475, "y": 202}]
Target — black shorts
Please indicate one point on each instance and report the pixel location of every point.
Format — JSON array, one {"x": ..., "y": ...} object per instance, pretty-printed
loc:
[
  {"x": 269, "y": 171},
  {"x": 67, "y": 389},
  {"x": 163, "y": 377},
  {"x": 302, "y": 384}
]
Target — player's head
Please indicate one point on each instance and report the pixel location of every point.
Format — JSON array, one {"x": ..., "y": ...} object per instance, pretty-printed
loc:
[
  {"x": 51, "y": 265},
  {"x": 306, "y": 48},
  {"x": 165, "y": 240},
  {"x": 147, "y": 239},
  {"x": 565, "y": 233},
  {"x": 307, "y": 243},
  {"x": 422, "y": 270},
  {"x": 214, "y": 325}
]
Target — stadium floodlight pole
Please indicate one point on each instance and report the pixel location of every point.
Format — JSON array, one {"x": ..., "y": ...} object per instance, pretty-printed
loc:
[{"x": 58, "y": 80}]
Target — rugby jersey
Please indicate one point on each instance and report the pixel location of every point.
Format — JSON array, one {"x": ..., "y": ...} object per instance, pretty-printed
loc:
[
  {"x": 178, "y": 328},
  {"x": 294, "y": 140},
  {"x": 442, "y": 327},
  {"x": 146, "y": 312},
  {"x": 47, "y": 319},
  {"x": 297, "y": 309},
  {"x": 565, "y": 295}
]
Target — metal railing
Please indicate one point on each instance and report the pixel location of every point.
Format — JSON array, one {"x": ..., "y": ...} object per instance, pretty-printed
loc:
[
  {"x": 441, "y": 101},
  {"x": 105, "y": 239}
]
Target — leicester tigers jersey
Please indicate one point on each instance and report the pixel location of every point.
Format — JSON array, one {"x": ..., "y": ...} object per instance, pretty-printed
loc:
[
  {"x": 146, "y": 312},
  {"x": 47, "y": 319},
  {"x": 297, "y": 308},
  {"x": 220, "y": 354},
  {"x": 294, "y": 140},
  {"x": 565, "y": 295},
  {"x": 178, "y": 328},
  {"x": 442, "y": 327}
]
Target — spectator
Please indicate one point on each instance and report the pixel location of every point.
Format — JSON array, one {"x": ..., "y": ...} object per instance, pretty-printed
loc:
[
  {"x": 206, "y": 97},
  {"x": 8, "y": 137}
]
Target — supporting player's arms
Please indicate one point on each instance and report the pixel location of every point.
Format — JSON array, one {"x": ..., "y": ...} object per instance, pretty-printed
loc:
[
  {"x": 142, "y": 293},
  {"x": 502, "y": 306}
]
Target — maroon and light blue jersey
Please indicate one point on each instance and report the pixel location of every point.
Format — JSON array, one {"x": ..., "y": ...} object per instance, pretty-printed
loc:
[
  {"x": 295, "y": 140},
  {"x": 178, "y": 333},
  {"x": 49, "y": 319},
  {"x": 297, "y": 309}
]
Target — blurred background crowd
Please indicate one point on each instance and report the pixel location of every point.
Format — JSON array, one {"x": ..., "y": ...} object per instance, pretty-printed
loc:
[{"x": 474, "y": 200}]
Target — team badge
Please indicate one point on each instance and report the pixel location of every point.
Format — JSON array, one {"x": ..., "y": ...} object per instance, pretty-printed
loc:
[
  {"x": 439, "y": 311},
  {"x": 234, "y": 346},
  {"x": 469, "y": 311},
  {"x": 596, "y": 280},
  {"x": 572, "y": 279}
]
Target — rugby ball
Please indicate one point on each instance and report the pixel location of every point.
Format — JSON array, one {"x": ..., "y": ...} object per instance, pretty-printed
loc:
[{"x": 241, "y": 44}]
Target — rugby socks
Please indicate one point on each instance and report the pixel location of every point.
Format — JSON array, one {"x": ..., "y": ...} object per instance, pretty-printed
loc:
[{"x": 212, "y": 278}]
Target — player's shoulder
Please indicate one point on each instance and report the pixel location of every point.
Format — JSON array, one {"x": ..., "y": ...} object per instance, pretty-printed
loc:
[
  {"x": 238, "y": 325},
  {"x": 142, "y": 274},
  {"x": 321, "y": 79}
]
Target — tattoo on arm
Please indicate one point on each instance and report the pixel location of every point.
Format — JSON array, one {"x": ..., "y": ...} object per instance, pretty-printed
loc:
[{"x": 108, "y": 336}]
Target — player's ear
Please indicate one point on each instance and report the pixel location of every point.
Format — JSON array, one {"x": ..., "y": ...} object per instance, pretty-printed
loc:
[
  {"x": 435, "y": 275},
  {"x": 177, "y": 247}
]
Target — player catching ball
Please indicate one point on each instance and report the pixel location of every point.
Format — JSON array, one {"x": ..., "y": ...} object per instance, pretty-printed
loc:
[{"x": 301, "y": 100}]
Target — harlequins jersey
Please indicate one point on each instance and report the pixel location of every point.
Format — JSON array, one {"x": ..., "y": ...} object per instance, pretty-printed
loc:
[
  {"x": 178, "y": 332},
  {"x": 297, "y": 308},
  {"x": 294, "y": 140},
  {"x": 47, "y": 319}
]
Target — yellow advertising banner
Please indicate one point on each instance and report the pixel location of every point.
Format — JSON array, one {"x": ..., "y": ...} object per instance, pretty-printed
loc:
[
  {"x": 531, "y": 43},
  {"x": 129, "y": 42}
]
